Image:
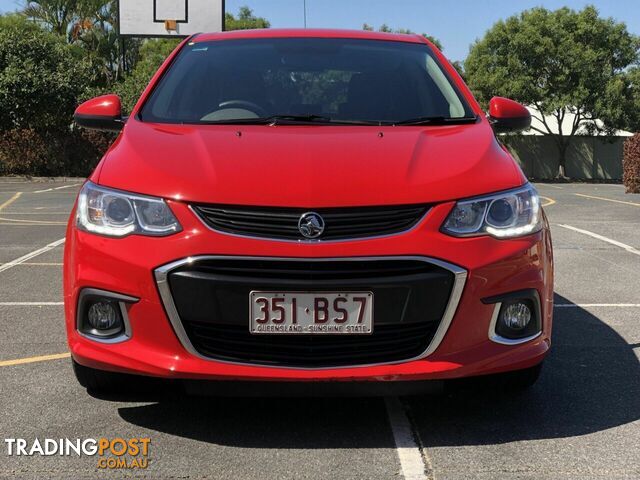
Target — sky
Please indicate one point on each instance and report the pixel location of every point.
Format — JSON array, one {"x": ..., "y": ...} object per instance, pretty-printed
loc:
[{"x": 456, "y": 23}]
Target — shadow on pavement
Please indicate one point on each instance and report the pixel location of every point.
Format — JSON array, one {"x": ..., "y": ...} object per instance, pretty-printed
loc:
[
  {"x": 298, "y": 423},
  {"x": 591, "y": 382}
]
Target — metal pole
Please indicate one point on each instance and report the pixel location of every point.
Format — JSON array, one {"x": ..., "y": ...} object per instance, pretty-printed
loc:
[
  {"x": 305, "y": 13},
  {"x": 224, "y": 16}
]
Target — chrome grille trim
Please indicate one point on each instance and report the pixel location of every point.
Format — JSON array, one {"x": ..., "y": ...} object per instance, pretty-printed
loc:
[{"x": 161, "y": 275}]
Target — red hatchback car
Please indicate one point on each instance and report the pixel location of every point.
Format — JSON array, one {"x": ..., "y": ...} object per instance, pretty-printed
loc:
[{"x": 307, "y": 206}]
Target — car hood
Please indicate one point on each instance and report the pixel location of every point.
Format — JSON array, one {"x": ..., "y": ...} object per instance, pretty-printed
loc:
[{"x": 308, "y": 166}]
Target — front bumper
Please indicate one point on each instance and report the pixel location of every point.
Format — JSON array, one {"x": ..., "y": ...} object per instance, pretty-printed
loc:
[{"x": 485, "y": 267}]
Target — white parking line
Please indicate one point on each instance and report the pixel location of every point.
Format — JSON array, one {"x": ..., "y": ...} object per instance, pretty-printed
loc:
[
  {"x": 35, "y": 213},
  {"x": 14, "y": 224},
  {"x": 39, "y": 264},
  {"x": 628, "y": 248},
  {"x": 31, "y": 255},
  {"x": 57, "y": 188},
  {"x": 414, "y": 465},
  {"x": 30, "y": 304},
  {"x": 19, "y": 222},
  {"x": 582, "y": 305}
]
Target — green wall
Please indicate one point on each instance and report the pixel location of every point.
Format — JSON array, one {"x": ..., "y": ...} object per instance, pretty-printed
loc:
[{"x": 588, "y": 158}]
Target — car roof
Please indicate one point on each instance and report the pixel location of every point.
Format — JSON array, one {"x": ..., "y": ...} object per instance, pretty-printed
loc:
[{"x": 309, "y": 33}]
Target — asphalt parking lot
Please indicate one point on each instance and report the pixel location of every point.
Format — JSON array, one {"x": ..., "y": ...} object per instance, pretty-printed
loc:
[{"x": 581, "y": 420}]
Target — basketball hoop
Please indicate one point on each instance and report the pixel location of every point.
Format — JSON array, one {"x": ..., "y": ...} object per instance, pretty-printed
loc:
[{"x": 169, "y": 18}]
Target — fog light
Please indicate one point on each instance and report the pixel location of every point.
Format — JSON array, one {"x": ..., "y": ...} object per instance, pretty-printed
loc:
[
  {"x": 519, "y": 318},
  {"x": 104, "y": 316},
  {"x": 516, "y": 316}
]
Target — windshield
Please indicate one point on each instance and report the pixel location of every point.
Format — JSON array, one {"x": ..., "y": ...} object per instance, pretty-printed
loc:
[{"x": 323, "y": 80}]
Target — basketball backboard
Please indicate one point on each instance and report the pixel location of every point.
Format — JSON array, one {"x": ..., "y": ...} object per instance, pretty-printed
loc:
[{"x": 169, "y": 18}]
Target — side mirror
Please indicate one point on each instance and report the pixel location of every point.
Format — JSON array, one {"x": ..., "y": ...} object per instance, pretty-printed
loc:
[
  {"x": 505, "y": 115},
  {"x": 100, "y": 113}
]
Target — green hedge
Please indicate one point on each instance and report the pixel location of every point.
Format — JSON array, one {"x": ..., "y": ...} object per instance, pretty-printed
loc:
[
  {"x": 34, "y": 153},
  {"x": 42, "y": 79},
  {"x": 631, "y": 164}
]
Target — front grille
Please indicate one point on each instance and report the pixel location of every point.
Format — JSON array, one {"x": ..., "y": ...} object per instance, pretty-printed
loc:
[
  {"x": 211, "y": 297},
  {"x": 386, "y": 344},
  {"x": 282, "y": 223}
]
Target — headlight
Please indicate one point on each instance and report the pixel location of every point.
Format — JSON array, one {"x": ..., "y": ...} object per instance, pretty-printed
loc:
[
  {"x": 503, "y": 215},
  {"x": 117, "y": 214}
]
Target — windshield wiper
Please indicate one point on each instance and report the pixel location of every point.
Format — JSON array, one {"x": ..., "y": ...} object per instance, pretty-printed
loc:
[
  {"x": 320, "y": 119},
  {"x": 311, "y": 118},
  {"x": 287, "y": 119},
  {"x": 436, "y": 121},
  {"x": 270, "y": 120}
]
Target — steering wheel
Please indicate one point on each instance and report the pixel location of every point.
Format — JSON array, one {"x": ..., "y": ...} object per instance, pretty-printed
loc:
[{"x": 245, "y": 105}]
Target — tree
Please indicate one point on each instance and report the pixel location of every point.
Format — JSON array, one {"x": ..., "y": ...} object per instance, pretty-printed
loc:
[
  {"x": 54, "y": 14},
  {"x": 41, "y": 77},
  {"x": 564, "y": 63},
  {"x": 94, "y": 29},
  {"x": 91, "y": 25},
  {"x": 632, "y": 87},
  {"x": 152, "y": 53},
  {"x": 16, "y": 21},
  {"x": 245, "y": 20},
  {"x": 459, "y": 66},
  {"x": 387, "y": 29}
]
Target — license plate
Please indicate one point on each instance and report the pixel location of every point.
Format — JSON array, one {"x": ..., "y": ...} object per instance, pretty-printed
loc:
[{"x": 306, "y": 313}]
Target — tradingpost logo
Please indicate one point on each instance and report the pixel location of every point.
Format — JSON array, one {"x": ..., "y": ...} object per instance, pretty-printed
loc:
[{"x": 115, "y": 453}]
